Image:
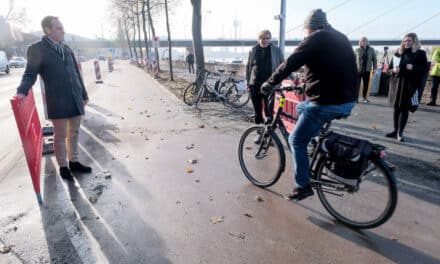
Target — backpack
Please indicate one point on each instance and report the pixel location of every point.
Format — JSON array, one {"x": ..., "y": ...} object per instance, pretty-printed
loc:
[{"x": 347, "y": 156}]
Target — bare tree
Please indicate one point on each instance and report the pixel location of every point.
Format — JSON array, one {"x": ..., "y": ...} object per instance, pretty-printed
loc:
[
  {"x": 144, "y": 27},
  {"x": 169, "y": 42},
  {"x": 150, "y": 6},
  {"x": 197, "y": 35},
  {"x": 137, "y": 14}
]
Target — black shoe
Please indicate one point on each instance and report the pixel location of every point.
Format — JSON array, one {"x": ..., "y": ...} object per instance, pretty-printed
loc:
[
  {"x": 392, "y": 134},
  {"x": 78, "y": 167},
  {"x": 299, "y": 193},
  {"x": 66, "y": 174},
  {"x": 400, "y": 138},
  {"x": 431, "y": 104}
]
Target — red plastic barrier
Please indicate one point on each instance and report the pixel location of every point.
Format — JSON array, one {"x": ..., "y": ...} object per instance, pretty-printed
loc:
[
  {"x": 292, "y": 100},
  {"x": 29, "y": 127}
]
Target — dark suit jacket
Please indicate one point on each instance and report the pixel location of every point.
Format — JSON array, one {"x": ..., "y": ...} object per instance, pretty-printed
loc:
[{"x": 64, "y": 87}]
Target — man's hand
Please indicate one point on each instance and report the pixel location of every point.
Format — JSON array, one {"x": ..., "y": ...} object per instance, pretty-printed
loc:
[
  {"x": 21, "y": 96},
  {"x": 265, "y": 88}
]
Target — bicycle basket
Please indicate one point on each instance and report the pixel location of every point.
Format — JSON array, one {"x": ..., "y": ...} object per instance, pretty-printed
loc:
[{"x": 347, "y": 156}]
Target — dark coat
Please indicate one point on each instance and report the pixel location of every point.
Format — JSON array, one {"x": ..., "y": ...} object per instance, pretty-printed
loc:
[
  {"x": 64, "y": 87},
  {"x": 330, "y": 70},
  {"x": 404, "y": 84},
  {"x": 276, "y": 56}
]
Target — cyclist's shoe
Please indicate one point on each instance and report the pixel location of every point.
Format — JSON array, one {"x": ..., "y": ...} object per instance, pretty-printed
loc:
[
  {"x": 300, "y": 193},
  {"x": 392, "y": 135}
]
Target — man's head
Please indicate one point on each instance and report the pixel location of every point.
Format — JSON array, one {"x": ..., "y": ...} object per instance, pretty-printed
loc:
[
  {"x": 53, "y": 28},
  {"x": 316, "y": 20},
  {"x": 363, "y": 42},
  {"x": 264, "y": 37}
]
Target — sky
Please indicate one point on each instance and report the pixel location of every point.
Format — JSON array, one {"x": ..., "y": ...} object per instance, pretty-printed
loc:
[{"x": 376, "y": 19}]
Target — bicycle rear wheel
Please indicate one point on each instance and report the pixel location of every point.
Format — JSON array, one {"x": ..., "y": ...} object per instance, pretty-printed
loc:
[
  {"x": 190, "y": 94},
  {"x": 236, "y": 97},
  {"x": 262, "y": 161},
  {"x": 367, "y": 205}
]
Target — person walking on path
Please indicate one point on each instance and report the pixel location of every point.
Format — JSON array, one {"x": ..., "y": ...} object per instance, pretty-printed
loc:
[
  {"x": 435, "y": 74},
  {"x": 66, "y": 95},
  {"x": 405, "y": 81},
  {"x": 365, "y": 59},
  {"x": 331, "y": 88},
  {"x": 190, "y": 60},
  {"x": 263, "y": 59}
]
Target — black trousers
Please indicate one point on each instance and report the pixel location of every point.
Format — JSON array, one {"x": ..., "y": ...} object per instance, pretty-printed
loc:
[
  {"x": 434, "y": 89},
  {"x": 365, "y": 78},
  {"x": 191, "y": 67},
  {"x": 257, "y": 101},
  {"x": 400, "y": 119}
]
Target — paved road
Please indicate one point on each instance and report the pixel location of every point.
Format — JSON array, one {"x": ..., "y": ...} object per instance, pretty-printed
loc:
[{"x": 138, "y": 138}]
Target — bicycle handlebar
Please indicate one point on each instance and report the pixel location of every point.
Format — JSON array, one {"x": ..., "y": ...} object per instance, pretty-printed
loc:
[{"x": 289, "y": 89}]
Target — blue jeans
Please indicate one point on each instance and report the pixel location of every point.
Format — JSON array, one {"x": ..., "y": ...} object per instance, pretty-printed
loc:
[{"x": 311, "y": 118}]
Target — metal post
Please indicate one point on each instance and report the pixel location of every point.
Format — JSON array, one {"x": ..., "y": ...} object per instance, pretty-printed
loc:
[{"x": 282, "y": 18}]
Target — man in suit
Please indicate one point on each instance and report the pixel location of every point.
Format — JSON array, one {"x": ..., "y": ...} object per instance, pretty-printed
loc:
[{"x": 66, "y": 95}]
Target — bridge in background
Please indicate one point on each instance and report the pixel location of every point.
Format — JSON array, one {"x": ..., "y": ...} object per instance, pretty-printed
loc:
[{"x": 228, "y": 43}]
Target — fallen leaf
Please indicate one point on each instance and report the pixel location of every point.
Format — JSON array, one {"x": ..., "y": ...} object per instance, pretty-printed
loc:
[
  {"x": 248, "y": 215},
  {"x": 238, "y": 235},
  {"x": 216, "y": 219},
  {"x": 122, "y": 117},
  {"x": 130, "y": 108},
  {"x": 258, "y": 199},
  {"x": 202, "y": 126},
  {"x": 190, "y": 146},
  {"x": 93, "y": 199},
  {"x": 5, "y": 249},
  {"x": 394, "y": 238},
  {"x": 189, "y": 170},
  {"x": 193, "y": 161},
  {"x": 196, "y": 180}
]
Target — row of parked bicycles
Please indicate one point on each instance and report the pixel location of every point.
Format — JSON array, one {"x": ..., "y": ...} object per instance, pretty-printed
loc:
[{"x": 217, "y": 86}]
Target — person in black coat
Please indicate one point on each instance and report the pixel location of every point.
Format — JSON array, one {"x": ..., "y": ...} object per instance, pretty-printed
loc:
[
  {"x": 405, "y": 81},
  {"x": 66, "y": 95},
  {"x": 190, "y": 61}
]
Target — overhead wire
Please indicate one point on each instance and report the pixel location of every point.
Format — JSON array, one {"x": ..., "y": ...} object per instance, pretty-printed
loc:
[
  {"x": 328, "y": 11},
  {"x": 418, "y": 25}
]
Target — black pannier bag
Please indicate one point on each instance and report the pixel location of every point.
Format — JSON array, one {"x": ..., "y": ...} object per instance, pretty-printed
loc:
[{"x": 347, "y": 156}]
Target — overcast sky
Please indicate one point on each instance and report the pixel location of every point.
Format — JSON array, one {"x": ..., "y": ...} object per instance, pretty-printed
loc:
[{"x": 388, "y": 19}]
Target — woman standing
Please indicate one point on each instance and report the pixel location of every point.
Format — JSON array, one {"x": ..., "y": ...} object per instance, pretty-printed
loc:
[
  {"x": 263, "y": 59},
  {"x": 365, "y": 60},
  {"x": 405, "y": 81},
  {"x": 435, "y": 74}
]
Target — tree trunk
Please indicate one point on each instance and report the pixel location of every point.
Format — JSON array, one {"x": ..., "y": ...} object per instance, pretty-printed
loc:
[
  {"x": 169, "y": 42},
  {"x": 197, "y": 35},
  {"x": 144, "y": 28},
  {"x": 139, "y": 31},
  {"x": 150, "y": 20},
  {"x": 134, "y": 44},
  {"x": 128, "y": 38}
]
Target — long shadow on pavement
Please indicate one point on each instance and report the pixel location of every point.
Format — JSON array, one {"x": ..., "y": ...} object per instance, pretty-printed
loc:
[{"x": 388, "y": 248}]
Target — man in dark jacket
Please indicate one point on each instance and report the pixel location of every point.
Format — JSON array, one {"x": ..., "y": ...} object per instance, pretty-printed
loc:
[
  {"x": 190, "y": 61},
  {"x": 66, "y": 95},
  {"x": 331, "y": 84}
]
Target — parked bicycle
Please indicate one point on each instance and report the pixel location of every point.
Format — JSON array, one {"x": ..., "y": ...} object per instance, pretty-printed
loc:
[
  {"x": 209, "y": 85},
  {"x": 366, "y": 201}
]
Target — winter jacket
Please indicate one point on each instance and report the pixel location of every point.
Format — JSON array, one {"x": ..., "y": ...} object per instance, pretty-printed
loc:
[
  {"x": 436, "y": 60},
  {"x": 404, "y": 84},
  {"x": 371, "y": 59},
  {"x": 330, "y": 67},
  {"x": 277, "y": 58},
  {"x": 64, "y": 87}
]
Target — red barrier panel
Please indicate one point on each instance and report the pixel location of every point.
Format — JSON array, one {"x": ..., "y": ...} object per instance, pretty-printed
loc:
[
  {"x": 28, "y": 124},
  {"x": 292, "y": 100}
]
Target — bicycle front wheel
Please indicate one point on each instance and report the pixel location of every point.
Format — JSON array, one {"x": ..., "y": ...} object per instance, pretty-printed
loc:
[
  {"x": 261, "y": 156},
  {"x": 190, "y": 94},
  {"x": 367, "y": 205},
  {"x": 236, "y": 97}
]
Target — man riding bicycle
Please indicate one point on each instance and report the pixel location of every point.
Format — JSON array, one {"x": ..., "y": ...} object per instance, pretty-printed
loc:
[{"x": 331, "y": 88}]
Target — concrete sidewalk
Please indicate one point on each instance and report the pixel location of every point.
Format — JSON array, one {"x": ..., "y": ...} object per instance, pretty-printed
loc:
[{"x": 144, "y": 203}]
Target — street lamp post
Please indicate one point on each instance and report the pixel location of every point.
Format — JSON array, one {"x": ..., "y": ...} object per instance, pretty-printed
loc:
[{"x": 282, "y": 18}]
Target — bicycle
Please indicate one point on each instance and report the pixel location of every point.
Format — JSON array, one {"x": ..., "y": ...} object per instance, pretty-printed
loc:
[
  {"x": 346, "y": 200},
  {"x": 234, "y": 94}
]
